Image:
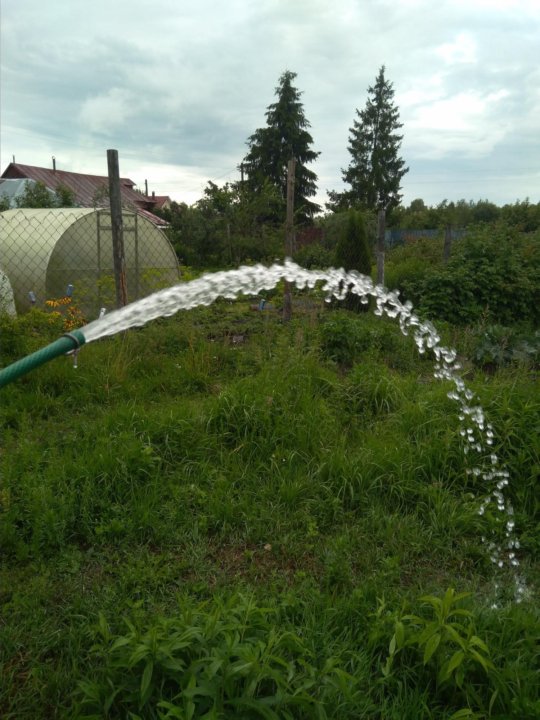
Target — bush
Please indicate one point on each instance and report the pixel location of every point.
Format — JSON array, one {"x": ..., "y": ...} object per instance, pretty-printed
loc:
[
  {"x": 494, "y": 273},
  {"x": 346, "y": 338},
  {"x": 314, "y": 256}
]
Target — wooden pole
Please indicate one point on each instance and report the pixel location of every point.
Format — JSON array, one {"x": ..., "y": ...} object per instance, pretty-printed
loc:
[
  {"x": 381, "y": 232},
  {"x": 289, "y": 236},
  {"x": 117, "y": 228},
  {"x": 447, "y": 243}
]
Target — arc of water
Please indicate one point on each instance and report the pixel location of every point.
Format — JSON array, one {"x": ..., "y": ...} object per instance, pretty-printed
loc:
[{"x": 477, "y": 433}]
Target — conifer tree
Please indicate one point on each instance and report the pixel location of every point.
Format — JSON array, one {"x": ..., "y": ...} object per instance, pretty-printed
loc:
[
  {"x": 352, "y": 250},
  {"x": 376, "y": 170},
  {"x": 353, "y": 253},
  {"x": 270, "y": 148}
]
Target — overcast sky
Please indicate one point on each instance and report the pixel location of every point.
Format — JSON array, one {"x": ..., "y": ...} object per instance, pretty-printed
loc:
[{"x": 178, "y": 87}]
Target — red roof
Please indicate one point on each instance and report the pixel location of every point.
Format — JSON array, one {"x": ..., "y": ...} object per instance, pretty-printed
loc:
[
  {"x": 89, "y": 190},
  {"x": 161, "y": 201}
]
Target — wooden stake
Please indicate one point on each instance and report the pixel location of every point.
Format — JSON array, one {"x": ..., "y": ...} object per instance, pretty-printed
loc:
[
  {"x": 289, "y": 236},
  {"x": 117, "y": 228},
  {"x": 447, "y": 243},
  {"x": 381, "y": 231}
]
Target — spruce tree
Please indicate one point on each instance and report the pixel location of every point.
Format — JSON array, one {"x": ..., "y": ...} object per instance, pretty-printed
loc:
[
  {"x": 352, "y": 250},
  {"x": 270, "y": 148},
  {"x": 376, "y": 170},
  {"x": 353, "y": 253}
]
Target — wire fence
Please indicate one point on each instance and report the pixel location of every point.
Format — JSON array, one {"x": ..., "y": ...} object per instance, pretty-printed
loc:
[
  {"x": 65, "y": 255},
  {"x": 399, "y": 236}
]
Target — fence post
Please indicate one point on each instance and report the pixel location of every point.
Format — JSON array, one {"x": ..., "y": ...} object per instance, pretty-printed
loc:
[
  {"x": 447, "y": 242},
  {"x": 381, "y": 231},
  {"x": 117, "y": 228},
  {"x": 289, "y": 236}
]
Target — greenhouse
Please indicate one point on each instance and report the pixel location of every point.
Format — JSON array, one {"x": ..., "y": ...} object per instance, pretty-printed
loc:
[
  {"x": 48, "y": 253},
  {"x": 7, "y": 301}
]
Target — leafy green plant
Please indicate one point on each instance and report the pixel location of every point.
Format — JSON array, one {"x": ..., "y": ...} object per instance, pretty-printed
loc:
[
  {"x": 226, "y": 661},
  {"x": 498, "y": 346},
  {"x": 314, "y": 256},
  {"x": 441, "y": 639},
  {"x": 493, "y": 272}
]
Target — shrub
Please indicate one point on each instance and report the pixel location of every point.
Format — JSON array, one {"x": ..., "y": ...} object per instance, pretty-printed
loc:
[
  {"x": 314, "y": 256},
  {"x": 493, "y": 273}
]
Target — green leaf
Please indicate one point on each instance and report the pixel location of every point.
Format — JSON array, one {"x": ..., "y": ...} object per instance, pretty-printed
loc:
[
  {"x": 400, "y": 634},
  {"x": 146, "y": 680},
  {"x": 431, "y": 645},
  {"x": 484, "y": 662},
  {"x": 463, "y": 713},
  {"x": 103, "y": 626},
  {"x": 120, "y": 642},
  {"x": 477, "y": 642},
  {"x": 454, "y": 662},
  {"x": 173, "y": 711},
  {"x": 387, "y": 667},
  {"x": 456, "y": 636}
]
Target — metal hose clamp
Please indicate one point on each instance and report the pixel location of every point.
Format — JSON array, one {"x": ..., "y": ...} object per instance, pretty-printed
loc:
[{"x": 75, "y": 339}]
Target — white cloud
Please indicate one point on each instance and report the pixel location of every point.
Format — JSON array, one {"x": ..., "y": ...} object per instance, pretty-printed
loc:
[
  {"x": 106, "y": 113},
  {"x": 459, "y": 112},
  {"x": 462, "y": 50},
  {"x": 183, "y": 87},
  {"x": 466, "y": 123}
]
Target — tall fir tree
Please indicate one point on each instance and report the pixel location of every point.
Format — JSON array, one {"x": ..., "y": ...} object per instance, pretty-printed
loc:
[
  {"x": 353, "y": 253},
  {"x": 376, "y": 170},
  {"x": 270, "y": 148}
]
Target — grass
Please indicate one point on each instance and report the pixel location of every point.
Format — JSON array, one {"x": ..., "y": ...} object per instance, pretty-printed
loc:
[{"x": 219, "y": 516}]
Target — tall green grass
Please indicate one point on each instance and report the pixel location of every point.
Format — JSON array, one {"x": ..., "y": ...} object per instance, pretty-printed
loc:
[{"x": 193, "y": 525}]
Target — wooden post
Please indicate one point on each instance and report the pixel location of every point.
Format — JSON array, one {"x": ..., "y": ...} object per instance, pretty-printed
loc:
[
  {"x": 289, "y": 236},
  {"x": 381, "y": 232},
  {"x": 447, "y": 242},
  {"x": 117, "y": 228}
]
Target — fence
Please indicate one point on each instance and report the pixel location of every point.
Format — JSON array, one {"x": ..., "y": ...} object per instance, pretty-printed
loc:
[
  {"x": 398, "y": 236},
  {"x": 48, "y": 254}
]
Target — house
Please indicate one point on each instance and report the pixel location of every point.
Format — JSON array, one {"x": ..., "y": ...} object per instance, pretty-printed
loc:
[{"x": 90, "y": 191}]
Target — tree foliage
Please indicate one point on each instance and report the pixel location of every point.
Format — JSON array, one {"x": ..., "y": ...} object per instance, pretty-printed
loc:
[
  {"x": 522, "y": 215},
  {"x": 271, "y": 147},
  {"x": 228, "y": 225},
  {"x": 353, "y": 253},
  {"x": 375, "y": 170},
  {"x": 492, "y": 276},
  {"x": 38, "y": 195}
]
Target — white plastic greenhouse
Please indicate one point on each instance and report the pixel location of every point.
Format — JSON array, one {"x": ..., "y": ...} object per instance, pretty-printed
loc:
[
  {"x": 42, "y": 252},
  {"x": 7, "y": 301}
]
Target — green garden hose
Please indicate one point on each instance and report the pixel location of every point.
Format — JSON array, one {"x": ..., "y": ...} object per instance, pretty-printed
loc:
[{"x": 69, "y": 341}]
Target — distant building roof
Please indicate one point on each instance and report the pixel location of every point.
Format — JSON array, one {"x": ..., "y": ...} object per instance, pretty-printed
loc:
[
  {"x": 89, "y": 190},
  {"x": 161, "y": 201}
]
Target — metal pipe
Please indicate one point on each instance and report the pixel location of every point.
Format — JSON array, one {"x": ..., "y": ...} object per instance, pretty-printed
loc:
[{"x": 69, "y": 341}]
